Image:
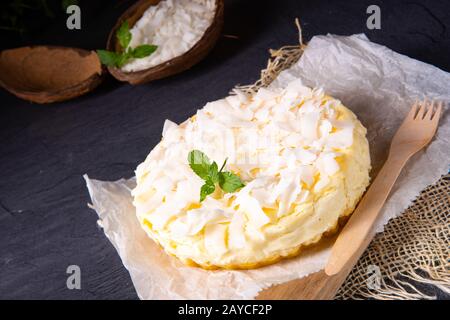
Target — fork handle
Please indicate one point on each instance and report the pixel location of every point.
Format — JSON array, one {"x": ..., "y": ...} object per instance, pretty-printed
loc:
[{"x": 357, "y": 233}]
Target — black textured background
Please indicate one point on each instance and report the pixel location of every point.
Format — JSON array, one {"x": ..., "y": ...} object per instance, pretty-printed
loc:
[{"x": 45, "y": 224}]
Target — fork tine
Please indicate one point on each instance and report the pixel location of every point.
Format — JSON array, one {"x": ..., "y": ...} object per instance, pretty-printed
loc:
[
  {"x": 437, "y": 114},
  {"x": 413, "y": 111},
  {"x": 421, "y": 111},
  {"x": 429, "y": 111}
]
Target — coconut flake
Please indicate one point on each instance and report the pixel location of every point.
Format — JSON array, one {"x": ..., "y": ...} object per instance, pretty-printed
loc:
[
  {"x": 251, "y": 207},
  {"x": 236, "y": 236},
  {"x": 215, "y": 239},
  {"x": 327, "y": 164},
  {"x": 305, "y": 157},
  {"x": 308, "y": 125},
  {"x": 340, "y": 139}
]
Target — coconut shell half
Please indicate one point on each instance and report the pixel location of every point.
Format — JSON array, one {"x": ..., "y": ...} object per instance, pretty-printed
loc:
[
  {"x": 175, "y": 65},
  {"x": 46, "y": 74}
]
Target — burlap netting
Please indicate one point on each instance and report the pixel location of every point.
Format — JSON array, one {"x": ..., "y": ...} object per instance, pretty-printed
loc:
[{"x": 414, "y": 247}]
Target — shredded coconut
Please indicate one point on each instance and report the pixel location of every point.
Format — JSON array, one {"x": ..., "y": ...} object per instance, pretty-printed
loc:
[{"x": 175, "y": 26}]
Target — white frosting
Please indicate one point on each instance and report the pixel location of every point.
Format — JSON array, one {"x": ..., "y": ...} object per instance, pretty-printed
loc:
[
  {"x": 285, "y": 144},
  {"x": 175, "y": 26}
]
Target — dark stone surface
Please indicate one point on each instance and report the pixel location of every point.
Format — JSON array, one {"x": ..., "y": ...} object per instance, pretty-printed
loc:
[{"x": 45, "y": 225}]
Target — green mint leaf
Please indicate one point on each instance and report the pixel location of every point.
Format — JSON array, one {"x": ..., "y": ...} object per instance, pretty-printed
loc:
[
  {"x": 123, "y": 34},
  {"x": 213, "y": 173},
  {"x": 202, "y": 166},
  {"x": 229, "y": 182},
  {"x": 108, "y": 58},
  {"x": 143, "y": 51},
  {"x": 118, "y": 59},
  {"x": 199, "y": 163},
  {"x": 122, "y": 59},
  {"x": 207, "y": 189}
]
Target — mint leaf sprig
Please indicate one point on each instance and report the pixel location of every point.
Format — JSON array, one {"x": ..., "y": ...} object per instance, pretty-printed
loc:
[
  {"x": 209, "y": 172},
  {"x": 118, "y": 59}
]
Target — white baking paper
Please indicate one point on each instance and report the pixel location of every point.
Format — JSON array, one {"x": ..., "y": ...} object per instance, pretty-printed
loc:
[{"x": 379, "y": 85}]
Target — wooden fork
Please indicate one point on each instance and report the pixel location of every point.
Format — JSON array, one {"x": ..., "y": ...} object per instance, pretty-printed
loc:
[{"x": 416, "y": 132}]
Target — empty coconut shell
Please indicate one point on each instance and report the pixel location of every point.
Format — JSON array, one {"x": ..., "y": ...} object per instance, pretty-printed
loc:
[
  {"x": 45, "y": 74},
  {"x": 175, "y": 65}
]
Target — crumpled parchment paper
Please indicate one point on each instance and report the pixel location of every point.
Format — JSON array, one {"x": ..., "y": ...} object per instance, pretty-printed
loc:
[{"x": 379, "y": 85}]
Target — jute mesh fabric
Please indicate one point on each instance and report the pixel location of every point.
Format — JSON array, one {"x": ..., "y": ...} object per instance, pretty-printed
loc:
[{"x": 414, "y": 247}]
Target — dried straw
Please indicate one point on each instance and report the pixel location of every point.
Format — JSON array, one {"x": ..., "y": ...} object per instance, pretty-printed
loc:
[{"x": 280, "y": 60}]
